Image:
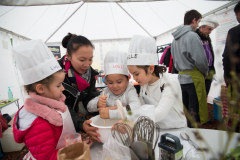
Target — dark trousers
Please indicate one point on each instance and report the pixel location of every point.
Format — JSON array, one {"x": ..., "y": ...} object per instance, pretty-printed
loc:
[
  {"x": 190, "y": 101},
  {"x": 208, "y": 83}
]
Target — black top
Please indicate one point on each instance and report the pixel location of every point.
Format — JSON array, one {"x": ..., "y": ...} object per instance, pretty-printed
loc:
[
  {"x": 167, "y": 57},
  {"x": 85, "y": 96},
  {"x": 232, "y": 48}
]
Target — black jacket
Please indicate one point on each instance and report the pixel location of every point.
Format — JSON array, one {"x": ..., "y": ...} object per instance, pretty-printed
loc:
[
  {"x": 85, "y": 96},
  {"x": 232, "y": 48}
]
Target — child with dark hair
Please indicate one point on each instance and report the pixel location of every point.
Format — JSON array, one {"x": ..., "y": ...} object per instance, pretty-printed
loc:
[
  {"x": 157, "y": 87},
  {"x": 44, "y": 120},
  {"x": 119, "y": 88}
]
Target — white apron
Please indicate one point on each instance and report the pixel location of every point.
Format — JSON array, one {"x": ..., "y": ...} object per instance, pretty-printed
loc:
[{"x": 68, "y": 129}]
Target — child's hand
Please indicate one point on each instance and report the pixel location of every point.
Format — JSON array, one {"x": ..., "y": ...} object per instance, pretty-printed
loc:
[
  {"x": 102, "y": 102},
  {"x": 91, "y": 130},
  {"x": 113, "y": 107},
  {"x": 120, "y": 127},
  {"x": 89, "y": 142},
  {"x": 104, "y": 113}
]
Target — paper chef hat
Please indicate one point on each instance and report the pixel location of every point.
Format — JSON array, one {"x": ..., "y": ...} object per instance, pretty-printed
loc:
[
  {"x": 142, "y": 51},
  {"x": 209, "y": 22},
  {"x": 115, "y": 62},
  {"x": 35, "y": 61}
]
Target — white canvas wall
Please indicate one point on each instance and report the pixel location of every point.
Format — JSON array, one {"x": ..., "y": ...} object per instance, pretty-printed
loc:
[{"x": 9, "y": 73}]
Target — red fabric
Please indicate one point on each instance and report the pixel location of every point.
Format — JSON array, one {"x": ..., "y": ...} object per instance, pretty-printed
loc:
[
  {"x": 40, "y": 138},
  {"x": 163, "y": 55},
  {"x": 224, "y": 101},
  {"x": 170, "y": 65},
  {"x": 81, "y": 83},
  {"x": 3, "y": 124}
]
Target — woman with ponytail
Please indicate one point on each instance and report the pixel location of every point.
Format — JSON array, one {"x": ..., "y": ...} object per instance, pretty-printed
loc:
[{"x": 79, "y": 82}]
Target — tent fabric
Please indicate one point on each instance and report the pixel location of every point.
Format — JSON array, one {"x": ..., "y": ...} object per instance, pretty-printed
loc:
[
  {"x": 54, "y": 2},
  {"x": 98, "y": 21}
]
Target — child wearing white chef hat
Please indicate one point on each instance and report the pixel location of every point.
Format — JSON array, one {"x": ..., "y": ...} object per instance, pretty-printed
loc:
[
  {"x": 157, "y": 87},
  {"x": 44, "y": 120},
  {"x": 119, "y": 88}
]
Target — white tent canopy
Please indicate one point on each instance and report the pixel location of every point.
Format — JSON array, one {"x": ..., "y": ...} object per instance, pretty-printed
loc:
[
  {"x": 98, "y": 21},
  {"x": 109, "y": 25}
]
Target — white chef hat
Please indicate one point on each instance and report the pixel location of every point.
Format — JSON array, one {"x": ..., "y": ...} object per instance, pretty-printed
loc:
[
  {"x": 209, "y": 22},
  {"x": 142, "y": 51},
  {"x": 35, "y": 61},
  {"x": 115, "y": 62}
]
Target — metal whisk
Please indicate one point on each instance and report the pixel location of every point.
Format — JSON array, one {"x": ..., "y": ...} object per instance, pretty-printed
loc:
[
  {"x": 157, "y": 131},
  {"x": 143, "y": 129},
  {"x": 122, "y": 133}
]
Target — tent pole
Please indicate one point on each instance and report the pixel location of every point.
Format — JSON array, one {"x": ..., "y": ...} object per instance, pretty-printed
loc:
[
  {"x": 134, "y": 20},
  {"x": 15, "y": 34},
  {"x": 64, "y": 22}
]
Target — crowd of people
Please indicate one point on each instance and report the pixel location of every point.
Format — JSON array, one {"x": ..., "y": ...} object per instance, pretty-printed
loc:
[{"x": 52, "y": 112}]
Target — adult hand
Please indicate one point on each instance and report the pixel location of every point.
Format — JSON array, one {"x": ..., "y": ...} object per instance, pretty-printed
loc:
[
  {"x": 91, "y": 130},
  {"x": 104, "y": 113},
  {"x": 102, "y": 102}
]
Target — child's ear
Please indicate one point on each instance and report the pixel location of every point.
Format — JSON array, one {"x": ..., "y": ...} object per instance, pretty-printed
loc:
[
  {"x": 151, "y": 68},
  {"x": 39, "y": 89}
]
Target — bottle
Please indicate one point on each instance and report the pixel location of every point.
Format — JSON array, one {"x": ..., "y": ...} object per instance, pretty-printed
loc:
[{"x": 10, "y": 95}]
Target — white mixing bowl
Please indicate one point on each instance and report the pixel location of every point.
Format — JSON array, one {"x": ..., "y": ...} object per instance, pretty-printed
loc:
[{"x": 104, "y": 131}]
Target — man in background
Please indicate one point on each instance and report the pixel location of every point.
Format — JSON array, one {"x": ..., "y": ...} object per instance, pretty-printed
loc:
[
  {"x": 231, "y": 67},
  {"x": 231, "y": 54},
  {"x": 190, "y": 60},
  {"x": 206, "y": 26}
]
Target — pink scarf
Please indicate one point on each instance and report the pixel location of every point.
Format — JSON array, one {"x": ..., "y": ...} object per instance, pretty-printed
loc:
[
  {"x": 41, "y": 106},
  {"x": 81, "y": 83}
]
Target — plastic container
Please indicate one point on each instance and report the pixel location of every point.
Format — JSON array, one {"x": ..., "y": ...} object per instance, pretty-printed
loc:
[
  {"x": 8, "y": 143},
  {"x": 10, "y": 95},
  {"x": 217, "y": 109},
  {"x": 104, "y": 131}
]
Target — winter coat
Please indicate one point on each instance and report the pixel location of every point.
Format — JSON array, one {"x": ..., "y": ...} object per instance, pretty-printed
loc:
[
  {"x": 40, "y": 137},
  {"x": 233, "y": 39},
  {"x": 85, "y": 96},
  {"x": 163, "y": 55}
]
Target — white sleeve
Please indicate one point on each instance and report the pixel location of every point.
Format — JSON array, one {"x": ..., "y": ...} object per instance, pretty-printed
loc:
[
  {"x": 167, "y": 100},
  {"x": 92, "y": 105},
  {"x": 114, "y": 114},
  {"x": 133, "y": 100}
]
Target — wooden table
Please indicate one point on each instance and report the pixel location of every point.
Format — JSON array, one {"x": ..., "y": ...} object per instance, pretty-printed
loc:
[{"x": 11, "y": 101}]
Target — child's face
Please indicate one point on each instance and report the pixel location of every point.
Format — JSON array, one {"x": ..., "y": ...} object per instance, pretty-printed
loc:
[
  {"x": 81, "y": 60},
  {"x": 139, "y": 75},
  {"x": 117, "y": 83},
  {"x": 54, "y": 90}
]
